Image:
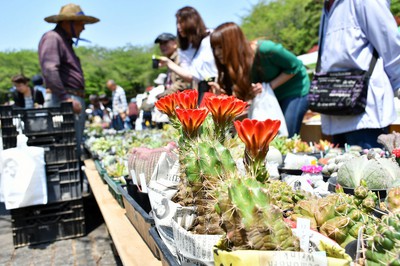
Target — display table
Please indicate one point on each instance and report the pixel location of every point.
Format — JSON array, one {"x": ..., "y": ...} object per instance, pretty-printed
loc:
[{"x": 130, "y": 246}]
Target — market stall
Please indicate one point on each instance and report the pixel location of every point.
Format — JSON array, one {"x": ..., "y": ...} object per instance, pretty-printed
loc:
[
  {"x": 292, "y": 198},
  {"x": 200, "y": 193}
]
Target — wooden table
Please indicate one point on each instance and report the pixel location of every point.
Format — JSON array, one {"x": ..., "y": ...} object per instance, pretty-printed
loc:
[{"x": 130, "y": 246}]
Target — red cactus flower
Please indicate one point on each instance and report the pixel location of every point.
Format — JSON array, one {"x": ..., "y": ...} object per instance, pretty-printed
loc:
[
  {"x": 167, "y": 105},
  {"x": 191, "y": 120},
  {"x": 224, "y": 108},
  {"x": 186, "y": 99},
  {"x": 257, "y": 135},
  {"x": 396, "y": 152},
  {"x": 205, "y": 96}
]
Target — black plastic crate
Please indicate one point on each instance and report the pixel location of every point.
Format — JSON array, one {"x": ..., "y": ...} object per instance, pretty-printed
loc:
[
  {"x": 60, "y": 153},
  {"x": 140, "y": 219},
  {"x": 40, "y": 121},
  {"x": 47, "y": 223},
  {"x": 48, "y": 120},
  {"x": 63, "y": 182},
  {"x": 9, "y": 142},
  {"x": 65, "y": 137},
  {"x": 167, "y": 258}
]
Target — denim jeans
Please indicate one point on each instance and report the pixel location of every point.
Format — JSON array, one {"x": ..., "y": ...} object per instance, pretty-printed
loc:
[
  {"x": 293, "y": 109},
  {"x": 366, "y": 138}
]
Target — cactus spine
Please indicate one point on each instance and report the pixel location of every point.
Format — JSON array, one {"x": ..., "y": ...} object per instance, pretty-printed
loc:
[{"x": 249, "y": 219}]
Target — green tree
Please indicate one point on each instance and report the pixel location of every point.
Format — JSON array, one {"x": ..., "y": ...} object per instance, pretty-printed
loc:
[
  {"x": 129, "y": 66},
  {"x": 293, "y": 23},
  {"x": 13, "y": 63},
  {"x": 395, "y": 7}
]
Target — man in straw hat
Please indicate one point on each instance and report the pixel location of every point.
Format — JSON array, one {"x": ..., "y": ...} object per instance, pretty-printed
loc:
[{"x": 61, "y": 67}]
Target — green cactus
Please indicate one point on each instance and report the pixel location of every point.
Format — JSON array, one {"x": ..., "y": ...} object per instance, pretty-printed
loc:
[
  {"x": 338, "y": 216},
  {"x": 249, "y": 219},
  {"x": 383, "y": 241},
  {"x": 203, "y": 165}
]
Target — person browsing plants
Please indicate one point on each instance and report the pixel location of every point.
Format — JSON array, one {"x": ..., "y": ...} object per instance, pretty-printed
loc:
[
  {"x": 243, "y": 66},
  {"x": 169, "y": 48},
  {"x": 351, "y": 32},
  {"x": 197, "y": 63}
]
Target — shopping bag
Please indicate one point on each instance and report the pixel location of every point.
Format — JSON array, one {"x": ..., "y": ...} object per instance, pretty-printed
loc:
[
  {"x": 339, "y": 93},
  {"x": 23, "y": 175},
  {"x": 266, "y": 106}
]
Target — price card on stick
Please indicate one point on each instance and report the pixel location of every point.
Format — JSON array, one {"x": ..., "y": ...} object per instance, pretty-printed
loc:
[
  {"x": 303, "y": 233},
  {"x": 134, "y": 179},
  {"x": 143, "y": 182}
]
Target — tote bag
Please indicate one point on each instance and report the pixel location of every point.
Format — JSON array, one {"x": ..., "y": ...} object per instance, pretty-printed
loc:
[{"x": 266, "y": 106}]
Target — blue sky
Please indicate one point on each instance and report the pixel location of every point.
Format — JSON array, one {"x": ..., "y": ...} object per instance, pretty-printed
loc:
[{"x": 122, "y": 22}]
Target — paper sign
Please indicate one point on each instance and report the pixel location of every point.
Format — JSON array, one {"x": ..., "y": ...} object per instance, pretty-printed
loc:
[
  {"x": 292, "y": 258},
  {"x": 134, "y": 179},
  {"x": 143, "y": 184},
  {"x": 303, "y": 232}
]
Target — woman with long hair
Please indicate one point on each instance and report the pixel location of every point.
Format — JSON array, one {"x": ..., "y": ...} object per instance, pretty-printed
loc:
[
  {"x": 243, "y": 66},
  {"x": 196, "y": 58}
]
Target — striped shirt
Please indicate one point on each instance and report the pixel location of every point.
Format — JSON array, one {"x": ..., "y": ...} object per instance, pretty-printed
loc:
[{"x": 119, "y": 103}]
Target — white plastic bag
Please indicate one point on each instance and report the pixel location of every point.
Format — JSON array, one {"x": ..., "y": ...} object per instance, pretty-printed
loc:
[
  {"x": 266, "y": 106},
  {"x": 23, "y": 175}
]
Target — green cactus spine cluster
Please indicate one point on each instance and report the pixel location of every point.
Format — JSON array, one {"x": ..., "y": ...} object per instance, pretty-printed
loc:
[
  {"x": 203, "y": 165},
  {"x": 383, "y": 242},
  {"x": 339, "y": 216},
  {"x": 283, "y": 196},
  {"x": 249, "y": 219}
]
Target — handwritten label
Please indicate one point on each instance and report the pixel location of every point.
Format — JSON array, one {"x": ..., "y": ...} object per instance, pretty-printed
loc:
[
  {"x": 303, "y": 232},
  {"x": 143, "y": 182},
  {"x": 134, "y": 179}
]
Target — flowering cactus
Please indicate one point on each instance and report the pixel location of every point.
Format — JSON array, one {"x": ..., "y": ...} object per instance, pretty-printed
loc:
[{"x": 257, "y": 135}]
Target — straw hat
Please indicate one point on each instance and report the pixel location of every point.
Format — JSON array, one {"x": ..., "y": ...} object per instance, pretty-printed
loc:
[{"x": 71, "y": 12}]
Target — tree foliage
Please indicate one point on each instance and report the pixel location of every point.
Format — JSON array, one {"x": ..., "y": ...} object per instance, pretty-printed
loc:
[
  {"x": 293, "y": 23},
  {"x": 129, "y": 66}
]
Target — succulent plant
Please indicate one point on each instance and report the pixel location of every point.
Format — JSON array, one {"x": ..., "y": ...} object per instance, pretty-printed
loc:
[
  {"x": 381, "y": 173},
  {"x": 393, "y": 200},
  {"x": 338, "y": 216},
  {"x": 389, "y": 141},
  {"x": 203, "y": 166},
  {"x": 249, "y": 218},
  {"x": 383, "y": 241},
  {"x": 256, "y": 136}
]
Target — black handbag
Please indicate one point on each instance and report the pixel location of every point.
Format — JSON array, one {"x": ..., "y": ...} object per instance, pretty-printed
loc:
[{"x": 340, "y": 92}]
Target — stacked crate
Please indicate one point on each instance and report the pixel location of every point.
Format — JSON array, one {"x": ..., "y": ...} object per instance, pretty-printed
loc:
[{"x": 53, "y": 129}]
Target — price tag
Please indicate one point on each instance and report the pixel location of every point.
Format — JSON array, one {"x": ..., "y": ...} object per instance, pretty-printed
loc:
[
  {"x": 134, "y": 179},
  {"x": 143, "y": 182},
  {"x": 303, "y": 232}
]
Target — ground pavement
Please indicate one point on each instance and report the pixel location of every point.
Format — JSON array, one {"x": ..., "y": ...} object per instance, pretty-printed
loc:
[{"x": 93, "y": 249}]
